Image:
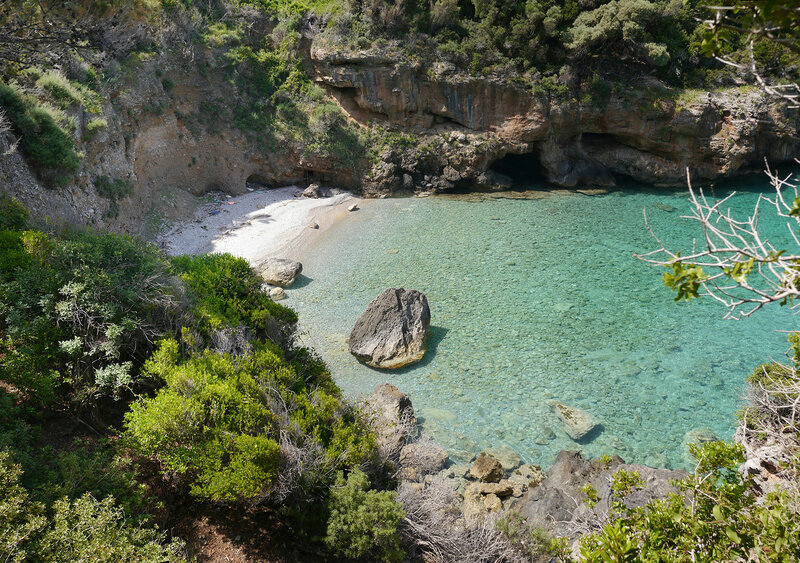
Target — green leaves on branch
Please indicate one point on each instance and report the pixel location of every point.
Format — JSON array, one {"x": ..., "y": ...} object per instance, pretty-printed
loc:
[{"x": 685, "y": 280}]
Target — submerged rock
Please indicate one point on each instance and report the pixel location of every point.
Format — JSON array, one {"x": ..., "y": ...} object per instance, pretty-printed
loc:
[
  {"x": 279, "y": 271},
  {"x": 391, "y": 332},
  {"x": 577, "y": 423}
]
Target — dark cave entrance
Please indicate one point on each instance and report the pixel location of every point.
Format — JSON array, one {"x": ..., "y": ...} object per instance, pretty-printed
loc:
[{"x": 524, "y": 170}]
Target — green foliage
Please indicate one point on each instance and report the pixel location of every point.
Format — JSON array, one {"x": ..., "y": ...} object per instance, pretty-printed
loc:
[
  {"x": 722, "y": 520},
  {"x": 626, "y": 23},
  {"x": 13, "y": 214},
  {"x": 532, "y": 541},
  {"x": 45, "y": 140},
  {"x": 96, "y": 124},
  {"x": 216, "y": 418},
  {"x": 228, "y": 293},
  {"x": 79, "y": 530},
  {"x": 113, "y": 190},
  {"x": 79, "y": 307},
  {"x": 212, "y": 418},
  {"x": 19, "y": 519},
  {"x": 89, "y": 530},
  {"x": 363, "y": 522},
  {"x": 685, "y": 280}
]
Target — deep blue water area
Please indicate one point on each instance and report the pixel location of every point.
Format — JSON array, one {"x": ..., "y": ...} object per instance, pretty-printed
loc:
[{"x": 541, "y": 299}]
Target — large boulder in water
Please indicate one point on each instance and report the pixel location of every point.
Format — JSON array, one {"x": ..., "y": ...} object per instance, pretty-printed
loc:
[
  {"x": 391, "y": 332},
  {"x": 279, "y": 271}
]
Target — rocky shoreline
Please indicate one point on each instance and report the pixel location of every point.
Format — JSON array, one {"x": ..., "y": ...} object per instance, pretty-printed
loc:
[{"x": 496, "y": 481}]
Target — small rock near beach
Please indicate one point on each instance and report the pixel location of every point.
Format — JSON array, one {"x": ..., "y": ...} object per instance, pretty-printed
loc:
[
  {"x": 313, "y": 190},
  {"x": 279, "y": 271},
  {"x": 577, "y": 423},
  {"x": 353, "y": 207},
  {"x": 487, "y": 469},
  {"x": 313, "y": 225},
  {"x": 277, "y": 293},
  {"x": 391, "y": 332}
]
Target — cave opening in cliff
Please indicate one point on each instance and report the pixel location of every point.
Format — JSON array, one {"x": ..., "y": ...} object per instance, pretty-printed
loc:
[{"x": 522, "y": 169}]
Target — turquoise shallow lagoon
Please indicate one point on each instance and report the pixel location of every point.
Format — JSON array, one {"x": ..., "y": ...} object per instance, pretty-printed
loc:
[{"x": 540, "y": 299}]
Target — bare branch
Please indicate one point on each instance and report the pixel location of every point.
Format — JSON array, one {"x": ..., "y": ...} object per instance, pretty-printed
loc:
[{"x": 740, "y": 267}]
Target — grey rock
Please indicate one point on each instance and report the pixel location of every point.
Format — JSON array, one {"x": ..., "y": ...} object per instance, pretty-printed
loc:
[
  {"x": 391, "y": 332},
  {"x": 313, "y": 225},
  {"x": 487, "y": 469},
  {"x": 279, "y": 271},
  {"x": 557, "y": 503},
  {"x": 353, "y": 207},
  {"x": 577, "y": 422},
  {"x": 313, "y": 191}
]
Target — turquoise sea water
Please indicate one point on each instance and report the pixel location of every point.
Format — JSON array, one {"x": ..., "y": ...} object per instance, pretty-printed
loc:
[{"x": 540, "y": 299}]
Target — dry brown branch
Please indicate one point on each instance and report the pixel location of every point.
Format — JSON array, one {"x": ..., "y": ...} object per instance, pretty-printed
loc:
[{"x": 434, "y": 526}]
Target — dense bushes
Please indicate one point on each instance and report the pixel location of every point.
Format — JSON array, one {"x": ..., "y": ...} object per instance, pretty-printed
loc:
[
  {"x": 363, "y": 522},
  {"x": 45, "y": 140},
  {"x": 79, "y": 312},
  {"x": 83, "y": 529}
]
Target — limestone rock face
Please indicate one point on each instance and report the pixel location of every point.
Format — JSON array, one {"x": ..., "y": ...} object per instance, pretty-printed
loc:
[
  {"x": 577, "y": 423},
  {"x": 393, "y": 417},
  {"x": 487, "y": 469},
  {"x": 391, "y": 332},
  {"x": 279, "y": 271},
  {"x": 552, "y": 503}
]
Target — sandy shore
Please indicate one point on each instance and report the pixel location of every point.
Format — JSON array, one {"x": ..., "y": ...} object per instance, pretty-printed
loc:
[{"x": 256, "y": 225}]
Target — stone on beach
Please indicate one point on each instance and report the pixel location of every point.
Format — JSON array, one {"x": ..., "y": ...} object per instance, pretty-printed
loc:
[
  {"x": 577, "y": 422},
  {"x": 314, "y": 191},
  {"x": 279, "y": 271},
  {"x": 277, "y": 293},
  {"x": 391, "y": 332},
  {"x": 507, "y": 457}
]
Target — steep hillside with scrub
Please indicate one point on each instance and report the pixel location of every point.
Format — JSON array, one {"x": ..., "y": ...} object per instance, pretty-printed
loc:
[{"x": 153, "y": 104}]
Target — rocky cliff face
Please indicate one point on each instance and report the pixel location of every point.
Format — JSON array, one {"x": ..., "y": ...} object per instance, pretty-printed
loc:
[
  {"x": 174, "y": 140},
  {"x": 647, "y": 133}
]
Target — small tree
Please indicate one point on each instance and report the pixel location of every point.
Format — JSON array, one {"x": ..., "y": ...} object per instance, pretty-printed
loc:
[{"x": 363, "y": 521}]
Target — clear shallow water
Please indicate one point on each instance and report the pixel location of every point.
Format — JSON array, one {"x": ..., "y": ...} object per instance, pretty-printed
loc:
[{"x": 534, "y": 300}]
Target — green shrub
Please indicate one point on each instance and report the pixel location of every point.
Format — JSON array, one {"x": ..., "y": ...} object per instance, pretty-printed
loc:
[
  {"x": 13, "y": 215},
  {"x": 227, "y": 292},
  {"x": 89, "y": 530},
  {"x": 715, "y": 518},
  {"x": 96, "y": 124},
  {"x": 57, "y": 85},
  {"x": 44, "y": 141},
  {"x": 212, "y": 419},
  {"x": 74, "y": 305},
  {"x": 363, "y": 522},
  {"x": 19, "y": 518}
]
